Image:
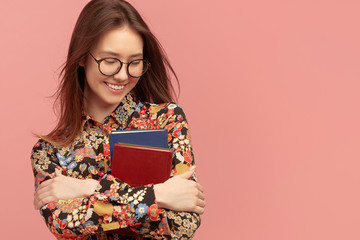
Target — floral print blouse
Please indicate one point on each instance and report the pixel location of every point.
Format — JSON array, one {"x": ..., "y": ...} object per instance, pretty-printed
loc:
[{"x": 115, "y": 204}]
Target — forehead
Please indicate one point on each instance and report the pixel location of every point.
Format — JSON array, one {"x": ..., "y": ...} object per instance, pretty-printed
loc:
[{"x": 122, "y": 41}]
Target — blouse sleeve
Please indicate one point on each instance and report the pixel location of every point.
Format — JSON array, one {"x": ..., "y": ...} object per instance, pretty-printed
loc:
[
  {"x": 178, "y": 225},
  {"x": 113, "y": 205}
]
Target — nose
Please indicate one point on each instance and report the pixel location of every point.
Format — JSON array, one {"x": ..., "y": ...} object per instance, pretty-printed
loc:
[{"x": 122, "y": 75}]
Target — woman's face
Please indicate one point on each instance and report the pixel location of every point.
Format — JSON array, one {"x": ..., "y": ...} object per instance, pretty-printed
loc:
[{"x": 104, "y": 93}]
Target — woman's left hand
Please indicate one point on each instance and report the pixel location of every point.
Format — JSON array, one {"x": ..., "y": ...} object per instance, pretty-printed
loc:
[{"x": 64, "y": 188}]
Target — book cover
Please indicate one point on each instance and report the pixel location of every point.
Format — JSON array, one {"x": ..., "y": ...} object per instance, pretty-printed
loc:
[
  {"x": 145, "y": 137},
  {"x": 140, "y": 165}
]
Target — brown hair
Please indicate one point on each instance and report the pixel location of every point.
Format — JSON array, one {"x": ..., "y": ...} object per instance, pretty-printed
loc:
[{"x": 98, "y": 17}]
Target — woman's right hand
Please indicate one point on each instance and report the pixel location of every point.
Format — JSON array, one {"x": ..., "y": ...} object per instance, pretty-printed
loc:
[{"x": 181, "y": 194}]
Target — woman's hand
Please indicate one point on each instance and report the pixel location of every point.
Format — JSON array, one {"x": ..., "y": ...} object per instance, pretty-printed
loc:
[
  {"x": 181, "y": 194},
  {"x": 63, "y": 187}
]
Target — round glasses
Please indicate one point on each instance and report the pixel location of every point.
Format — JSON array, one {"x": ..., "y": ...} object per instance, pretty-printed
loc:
[{"x": 110, "y": 66}]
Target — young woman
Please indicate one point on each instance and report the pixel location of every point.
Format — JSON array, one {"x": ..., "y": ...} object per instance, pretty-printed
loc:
[{"x": 115, "y": 77}]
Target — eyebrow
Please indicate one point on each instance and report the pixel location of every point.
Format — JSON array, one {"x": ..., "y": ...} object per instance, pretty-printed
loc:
[{"x": 118, "y": 55}]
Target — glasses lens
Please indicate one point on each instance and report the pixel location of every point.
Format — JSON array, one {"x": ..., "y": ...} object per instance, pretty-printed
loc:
[
  {"x": 110, "y": 66},
  {"x": 137, "y": 67}
]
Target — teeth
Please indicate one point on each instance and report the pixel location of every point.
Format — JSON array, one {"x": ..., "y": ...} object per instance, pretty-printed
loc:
[{"x": 115, "y": 87}]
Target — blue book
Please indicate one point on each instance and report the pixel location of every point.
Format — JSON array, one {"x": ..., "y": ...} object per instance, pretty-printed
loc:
[{"x": 143, "y": 137}]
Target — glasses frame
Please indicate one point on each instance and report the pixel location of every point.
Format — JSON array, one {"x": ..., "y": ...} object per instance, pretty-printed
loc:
[{"x": 98, "y": 61}]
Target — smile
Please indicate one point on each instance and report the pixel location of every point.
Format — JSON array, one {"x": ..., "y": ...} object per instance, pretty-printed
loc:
[{"x": 115, "y": 87}]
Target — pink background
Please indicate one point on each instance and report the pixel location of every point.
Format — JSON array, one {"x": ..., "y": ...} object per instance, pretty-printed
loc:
[{"x": 271, "y": 91}]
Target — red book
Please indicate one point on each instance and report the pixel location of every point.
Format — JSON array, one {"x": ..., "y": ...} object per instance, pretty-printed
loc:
[{"x": 140, "y": 165}]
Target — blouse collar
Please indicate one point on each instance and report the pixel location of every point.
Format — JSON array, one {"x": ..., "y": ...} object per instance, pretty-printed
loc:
[{"x": 121, "y": 114}]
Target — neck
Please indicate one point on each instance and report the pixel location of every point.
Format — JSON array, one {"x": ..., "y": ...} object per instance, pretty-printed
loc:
[
  {"x": 96, "y": 110},
  {"x": 97, "y": 113}
]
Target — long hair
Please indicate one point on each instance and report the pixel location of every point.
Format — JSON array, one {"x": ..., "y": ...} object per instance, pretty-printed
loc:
[{"x": 97, "y": 18}]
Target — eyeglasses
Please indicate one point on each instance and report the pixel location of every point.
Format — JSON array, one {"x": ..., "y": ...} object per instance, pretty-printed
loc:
[{"x": 110, "y": 66}]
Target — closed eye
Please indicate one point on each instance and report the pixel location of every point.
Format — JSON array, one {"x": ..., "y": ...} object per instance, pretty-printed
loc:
[
  {"x": 110, "y": 60},
  {"x": 136, "y": 61}
]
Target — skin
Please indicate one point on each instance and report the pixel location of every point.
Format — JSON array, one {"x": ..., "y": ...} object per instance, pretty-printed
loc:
[{"x": 177, "y": 193}]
